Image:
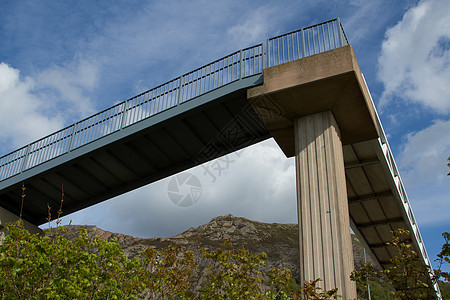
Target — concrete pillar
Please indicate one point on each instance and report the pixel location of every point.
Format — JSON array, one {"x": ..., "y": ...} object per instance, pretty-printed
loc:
[
  {"x": 323, "y": 217},
  {"x": 8, "y": 217}
]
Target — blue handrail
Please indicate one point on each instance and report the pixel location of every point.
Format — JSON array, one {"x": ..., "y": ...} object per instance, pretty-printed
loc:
[{"x": 231, "y": 68}]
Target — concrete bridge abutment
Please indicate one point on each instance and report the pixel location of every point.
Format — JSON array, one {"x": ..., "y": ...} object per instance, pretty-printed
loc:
[{"x": 8, "y": 217}]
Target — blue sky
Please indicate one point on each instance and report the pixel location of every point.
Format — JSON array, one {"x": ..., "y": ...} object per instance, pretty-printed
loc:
[{"x": 61, "y": 61}]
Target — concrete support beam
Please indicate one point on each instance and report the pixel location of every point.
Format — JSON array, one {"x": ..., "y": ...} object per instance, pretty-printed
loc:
[
  {"x": 323, "y": 216},
  {"x": 8, "y": 217}
]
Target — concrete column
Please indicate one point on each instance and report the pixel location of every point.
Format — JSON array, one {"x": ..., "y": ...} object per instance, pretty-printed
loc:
[
  {"x": 323, "y": 217},
  {"x": 8, "y": 217}
]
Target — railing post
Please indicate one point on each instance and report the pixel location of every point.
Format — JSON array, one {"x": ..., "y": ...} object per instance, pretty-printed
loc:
[
  {"x": 240, "y": 64},
  {"x": 341, "y": 36},
  {"x": 263, "y": 56},
  {"x": 25, "y": 158},
  {"x": 268, "y": 53},
  {"x": 303, "y": 43},
  {"x": 72, "y": 137},
  {"x": 124, "y": 114},
  {"x": 180, "y": 89}
]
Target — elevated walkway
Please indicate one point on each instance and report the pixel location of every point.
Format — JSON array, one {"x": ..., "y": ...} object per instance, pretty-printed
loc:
[{"x": 239, "y": 100}]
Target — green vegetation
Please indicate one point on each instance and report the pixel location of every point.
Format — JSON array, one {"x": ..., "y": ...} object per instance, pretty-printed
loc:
[
  {"x": 51, "y": 267},
  {"x": 407, "y": 274}
]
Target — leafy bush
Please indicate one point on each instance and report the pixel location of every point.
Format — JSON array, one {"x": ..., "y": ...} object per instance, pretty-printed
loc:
[
  {"x": 407, "y": 274},
  {"x": 51, "y": 267}
]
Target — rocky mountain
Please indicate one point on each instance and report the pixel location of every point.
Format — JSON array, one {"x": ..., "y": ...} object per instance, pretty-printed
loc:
[{"x": 278, "y": 241}]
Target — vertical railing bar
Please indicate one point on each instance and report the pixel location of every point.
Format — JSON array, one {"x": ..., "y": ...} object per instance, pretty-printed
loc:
[
  {"x": 273, "y": 53},
  {"x": 72, "y": 137},
  {"x": 334, "y": 34},
  {"x": 110, "y": 122},
  {"x": 160, "y": 99},
  {"x": 303, "y": 43},
  {"x": 98, "y": 126},
  {"x": 228, "y": 70},
  {"x": 151, "y": 103},
  {"x": 250, "y": 62},
  {"x": 240, "y": 64},
  {"x": 323, "y": 36},
  {"x": 47, "y": 150},
  {"x": 132, "y": 111},
  {"x": 191, "y": 86},
  {"x": 262, "y": 58},
  {"x": 291, "y": 41},
  {"x": 213, "y": 74},
  {"x": 194, "y": 84},
  {"x": 162, "y": 95},
  {"x": 88, "y": 130},
  {"x": 314, "y": 42},
  {"x": 196, "y": 89},
  {"x": 136, "y": 112},
  {"x": 99, "y": 131},
  {"x": 41, "y": 153},
  {"x": 124, "y": 114},
  {"x": 282, "y": 49},
  {"x": 145, "y": 106},
  {"x": 25, "y": 159},
  {"x": 53, "y": 145},
  {"x": 329, "y": 37},
  {"x": 170, "y": 93},
  {"x": 199, "y": 83},
  {"x": 247, "y": 62},
  {"x": 166, "y": 96},
  {"x": 208, "y": 77},
  {"x": 223, "y": 70},
  {"x": 211, "y": 77},
  {"x": 287, "y": 47},
  {"x": 35, "y": 154},
  {"x": 180, "y": 86},
  {"x": 341, "y": 38},
  {"x": 156, "y": 101},
  {"x": 293, "y": 47}
]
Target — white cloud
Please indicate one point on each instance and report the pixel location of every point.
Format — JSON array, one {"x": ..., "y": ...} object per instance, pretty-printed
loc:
[
  {"x": 33, "y": 107},
  {"x": 414, "y": 64},
  {"x": 253, "y": 27},
  {"x": 21, "y": 117},
  {"x": 69, "y": 85},
  {"x": 423, "y": 157},
  {"x": 259, "y": 184},
  {"x": 423, "y": 166}
]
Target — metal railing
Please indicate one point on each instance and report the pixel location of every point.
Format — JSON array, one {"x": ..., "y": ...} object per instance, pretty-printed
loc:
[
  {"x": 231, "y": 68},
  {"x": 400, "y": 190}
]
